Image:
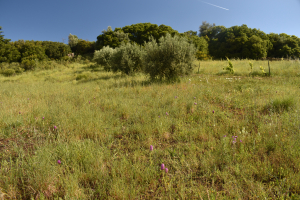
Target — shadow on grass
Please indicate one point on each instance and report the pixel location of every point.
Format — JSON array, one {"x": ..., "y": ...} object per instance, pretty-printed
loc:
[
  {"x": 279, "y": 105},
  {"x": 84, "y": 78}
]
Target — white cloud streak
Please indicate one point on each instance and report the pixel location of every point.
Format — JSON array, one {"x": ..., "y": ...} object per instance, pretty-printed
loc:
[{"x": 215, "y": 5}]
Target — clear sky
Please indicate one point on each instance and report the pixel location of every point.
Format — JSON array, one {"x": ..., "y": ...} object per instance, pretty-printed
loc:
[{"x": 54, "y": 20}]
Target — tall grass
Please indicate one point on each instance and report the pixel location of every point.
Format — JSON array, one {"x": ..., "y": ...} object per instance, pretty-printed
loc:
[{"x": 221, "y": 137}]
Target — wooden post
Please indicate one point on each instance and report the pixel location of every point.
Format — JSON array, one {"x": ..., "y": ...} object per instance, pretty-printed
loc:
[{"x": 269, "y": 68}]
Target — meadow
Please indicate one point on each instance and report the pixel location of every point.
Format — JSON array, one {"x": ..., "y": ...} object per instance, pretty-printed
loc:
[{"x": 79, "y": 132}]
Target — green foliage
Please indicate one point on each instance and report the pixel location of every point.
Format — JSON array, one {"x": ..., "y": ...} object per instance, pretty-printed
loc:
[
  {"x": 229, "y": 67},
  {"x": 206, "y": 29},
  {"x": 8, "y": 53},
  {"x": 262, "y": 69},
  {"x": 238, "y": 42},
  {"x": 111, "y": 38},
  {"x": 84, "y": 48},
  {"x": 56, "y": 50},
  {"x": 28, "y": 64},
  {"x": 103, "y": 57},
  {"x": 284, "y": 46},
  {"x": 127, "y": 59},
  {"x": 141, "y": 32},
  {"x": 251, "y": 67},
  {"x": 2, "y": 40},
  {"x": 170, "y": 58},
  {"x": 136, "y": 33},
  {"x": 8, "y": 72},
  {"x": 9, "y": 69},
  {"x": 30, "y": 50},
  {"x": 73, "y": 40},
  {"x": 200, "y": 43}
]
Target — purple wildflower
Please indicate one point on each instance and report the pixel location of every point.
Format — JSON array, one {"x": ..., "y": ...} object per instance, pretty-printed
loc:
[
  {"x": 162, "y": 167},
  {"x": 195, "y": 103},
  {"x": 55, "y": 127},
  {"x": 167, "y": 113},
  {"x": 213, "y": 111},
  {"x": 167, "y": 170},
  {"x": 224, "y": 136},
  {"x": 43, "y": 117},
  {"x": 151, "y": 148},
  {"x": 59, "y": 162},
  {"x": 19, "y": 112},
  {"x": 194, "y": 97},
  {"x": 241, "y": 141}
]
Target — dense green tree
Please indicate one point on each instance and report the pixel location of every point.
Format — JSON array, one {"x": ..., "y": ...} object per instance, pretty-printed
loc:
[
  {"x": 140, "y": 33},
  {"x": 284, "y": 46},
  {"x": 56, "y": 50},
  {"x": 135, "y": 33},
  {"x": 8, "y": 53},
  {"x": 84, "y": 47},
  {"x": 205, "y": 28},
  {"x": 200, "y": 43},
  {"x": 2, "y": 40},
  {"x": 238, "y": 42},
  {"x": 30, "y": 50},
  {"x": 111, "y": 38}
]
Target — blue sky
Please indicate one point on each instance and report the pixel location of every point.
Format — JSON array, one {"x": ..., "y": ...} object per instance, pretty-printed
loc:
[{"x": 54, "y": 20}]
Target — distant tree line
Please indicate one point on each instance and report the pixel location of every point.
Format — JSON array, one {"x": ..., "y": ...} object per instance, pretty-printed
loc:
[
  {"x": 212, "y": 42},
  {"x": 243, "y": 42},
  {"x": 27, "y": 51}
]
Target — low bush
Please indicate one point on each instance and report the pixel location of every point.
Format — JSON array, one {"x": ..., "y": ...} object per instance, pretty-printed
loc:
[
  {"x": 103, "y": 57},
  {"x": 127, "y": 59},
  {"x": 8, "y": 72},
  {"x": 28, "y": 64}
]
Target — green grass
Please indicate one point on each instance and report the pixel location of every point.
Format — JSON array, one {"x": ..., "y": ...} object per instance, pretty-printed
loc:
[{"x": 105, "y": 124}]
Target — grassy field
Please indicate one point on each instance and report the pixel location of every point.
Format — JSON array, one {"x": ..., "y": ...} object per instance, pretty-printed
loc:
[{"x": 79, "y": 132}]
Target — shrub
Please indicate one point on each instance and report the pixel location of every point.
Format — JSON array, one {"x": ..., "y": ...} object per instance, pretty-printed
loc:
[
  {"x": 103, "y": 57},
  {"x": 127, "y": 59},
  {"x": 16, "y": 66},
  {"x": 28, "y": 64},
  {"x": 229, "y": 67},
  {"x": 169, "y": 59},
  {"x": 8, "y": 72}
]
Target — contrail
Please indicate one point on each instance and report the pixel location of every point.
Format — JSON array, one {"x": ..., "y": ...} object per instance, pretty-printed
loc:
[{"x": 215, "y": 5}]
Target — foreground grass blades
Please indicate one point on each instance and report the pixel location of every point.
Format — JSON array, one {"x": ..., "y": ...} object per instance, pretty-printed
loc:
[{"x": 220, "y": 136}]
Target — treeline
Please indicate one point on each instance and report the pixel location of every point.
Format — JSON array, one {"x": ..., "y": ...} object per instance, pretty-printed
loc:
[
  {"x": 243, "y": 42},
  {"x": 27, "y": 52},
  {"x": 212, "y": 42}
]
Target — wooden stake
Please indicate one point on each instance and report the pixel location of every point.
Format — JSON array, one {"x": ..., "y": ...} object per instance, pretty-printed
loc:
[{"x": 269, "y": 68}]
